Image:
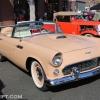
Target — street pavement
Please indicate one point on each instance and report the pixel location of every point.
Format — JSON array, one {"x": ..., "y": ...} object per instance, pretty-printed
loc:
[{"x": 17, "y": 82}]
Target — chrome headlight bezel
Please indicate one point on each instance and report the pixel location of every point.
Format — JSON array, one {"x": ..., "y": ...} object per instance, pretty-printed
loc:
[
  {"x": 57, "y": 59},
  {"x": 98, "y": 29}
]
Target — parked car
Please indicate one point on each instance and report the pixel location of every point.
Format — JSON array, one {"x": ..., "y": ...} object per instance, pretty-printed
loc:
[
  {"x": 53, "y": 58},
  {"x": 74, "y": 23}
]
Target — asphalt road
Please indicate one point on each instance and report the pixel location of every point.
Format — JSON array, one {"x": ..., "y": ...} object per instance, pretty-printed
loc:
[{"x": 19, "y": 83}]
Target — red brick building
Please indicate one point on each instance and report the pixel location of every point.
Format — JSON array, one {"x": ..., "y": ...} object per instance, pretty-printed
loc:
[{"x": 6, "y": 12}]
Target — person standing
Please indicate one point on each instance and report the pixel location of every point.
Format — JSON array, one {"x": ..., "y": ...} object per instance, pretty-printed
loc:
[
  {"x": 45, "y": 16},
  {"x": 15, "y": 18},
  {"x": 41, "y": 19}
]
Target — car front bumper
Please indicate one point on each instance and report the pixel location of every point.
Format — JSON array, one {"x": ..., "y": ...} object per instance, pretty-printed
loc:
[{"x": 72, "y": 78}]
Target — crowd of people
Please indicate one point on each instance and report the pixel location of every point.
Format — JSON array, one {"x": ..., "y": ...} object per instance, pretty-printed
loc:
[
  {"x": 95, "y": 16},
  {"x": 21, "y": 15},
  {"x": 90, "y": 15}
]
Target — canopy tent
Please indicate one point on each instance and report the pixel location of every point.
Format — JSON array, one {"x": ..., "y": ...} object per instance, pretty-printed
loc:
[
  {"x": 96, "y": 7},
  {"x": 97, "y": 16}
]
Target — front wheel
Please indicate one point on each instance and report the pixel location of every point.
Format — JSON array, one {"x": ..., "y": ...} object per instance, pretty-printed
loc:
[
  {"x": 2, "y": 58},
  {"x": 38, "y": 75},
  {"x": 89, "y": 35}
]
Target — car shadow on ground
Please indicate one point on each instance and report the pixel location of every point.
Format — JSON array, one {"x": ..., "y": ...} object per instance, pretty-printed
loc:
[
  {"x": 28, "y": 73},
  {"x": 1, "y": 87},
  {"x": 74, "y": 84},
  {"x": 66, "y": 85}
]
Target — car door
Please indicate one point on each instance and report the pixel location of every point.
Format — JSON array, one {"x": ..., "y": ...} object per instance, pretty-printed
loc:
[
  {"x": 12, "y": 48},
  {"x": 20, "y": 46},
  {"x": 6, "y": 47},
  {"x": 20, "y": 54},
  {"x": 65, "y": 26},
  {"x": 74, "y": 28}
]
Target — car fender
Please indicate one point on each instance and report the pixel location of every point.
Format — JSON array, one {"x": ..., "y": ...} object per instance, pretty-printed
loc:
[{"x": 90, "y": 32}]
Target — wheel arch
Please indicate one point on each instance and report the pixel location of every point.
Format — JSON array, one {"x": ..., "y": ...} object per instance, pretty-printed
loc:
[
  {"x": 92, "y": 33},
  {"x": 28, "y": 62},
  {"x": 88, "y": 33}
]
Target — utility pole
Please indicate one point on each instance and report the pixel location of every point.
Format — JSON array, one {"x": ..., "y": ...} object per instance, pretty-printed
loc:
[
  {"x": 32, "y": 9},
  {"x": 68, "y": 5}
]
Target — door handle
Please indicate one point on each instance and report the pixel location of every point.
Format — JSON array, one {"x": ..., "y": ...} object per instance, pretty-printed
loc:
[
  {"x": 19, "y": 46},
  {"x": 0, "y": 39}
]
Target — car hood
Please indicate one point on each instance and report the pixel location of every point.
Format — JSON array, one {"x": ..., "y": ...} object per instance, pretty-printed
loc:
[
  {"x": 85, "y": 22},
  {"x": 61, "y": 42}
]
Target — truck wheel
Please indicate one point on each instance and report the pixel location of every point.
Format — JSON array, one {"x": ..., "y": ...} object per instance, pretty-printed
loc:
[
  {"x": 38, "y": 75},
  {"x": 89, "y": 35},
  {"x": 2, "y": 58}
]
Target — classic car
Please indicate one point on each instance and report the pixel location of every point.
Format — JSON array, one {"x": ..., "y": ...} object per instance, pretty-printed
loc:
[
  {"x": 53, "y": 58},
  {"x": 74, "y": 23}
]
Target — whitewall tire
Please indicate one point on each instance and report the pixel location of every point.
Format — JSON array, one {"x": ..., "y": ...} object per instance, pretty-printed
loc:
[
  {"x": 89, "y": 35},
  {"x": 38, "y": 75}
]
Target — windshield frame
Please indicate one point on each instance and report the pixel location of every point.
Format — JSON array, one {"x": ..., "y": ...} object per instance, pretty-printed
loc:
[{"x": 20, "y": 25}]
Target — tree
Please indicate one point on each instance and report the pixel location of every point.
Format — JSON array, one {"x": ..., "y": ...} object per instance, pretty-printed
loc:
[{"x": 32, "y": 9}]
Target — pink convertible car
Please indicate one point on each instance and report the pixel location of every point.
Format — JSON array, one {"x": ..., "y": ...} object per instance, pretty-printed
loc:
[{"x": 53, "y": 58}]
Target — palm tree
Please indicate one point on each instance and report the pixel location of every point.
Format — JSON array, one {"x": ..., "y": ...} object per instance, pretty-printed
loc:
[{"x": 32, "y": 9}]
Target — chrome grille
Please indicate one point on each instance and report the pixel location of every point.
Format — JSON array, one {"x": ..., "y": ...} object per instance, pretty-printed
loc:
[{"x": 83, "y": 66}]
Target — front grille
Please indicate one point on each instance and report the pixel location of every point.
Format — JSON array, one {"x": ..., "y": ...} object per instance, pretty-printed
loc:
[{"x": 82, "y": 66}]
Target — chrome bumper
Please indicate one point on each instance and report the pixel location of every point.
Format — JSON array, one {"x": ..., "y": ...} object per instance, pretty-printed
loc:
[{"x": 72, "y": 78}]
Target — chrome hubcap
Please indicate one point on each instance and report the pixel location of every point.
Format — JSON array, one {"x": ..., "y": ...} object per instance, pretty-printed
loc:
[{"x": 39, "y": 74}]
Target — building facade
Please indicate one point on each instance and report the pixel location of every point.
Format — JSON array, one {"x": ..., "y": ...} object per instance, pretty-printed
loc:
[
  {"x": 48, "y": 6},
  {"x": 18, "y": 10},
  {"x": 6, "y": 12}
]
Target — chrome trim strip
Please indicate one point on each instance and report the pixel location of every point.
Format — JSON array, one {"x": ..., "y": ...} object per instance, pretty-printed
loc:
[{"x": 72, "y": 78}]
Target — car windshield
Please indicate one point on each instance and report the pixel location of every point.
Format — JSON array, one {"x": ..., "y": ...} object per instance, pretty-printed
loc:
[
  {"x": 28, "y": 29},
  {"x": 78, "y": 17}
]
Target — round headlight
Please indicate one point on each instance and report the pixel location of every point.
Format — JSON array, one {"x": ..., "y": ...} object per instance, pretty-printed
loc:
[{"x": 57, "y": 60}]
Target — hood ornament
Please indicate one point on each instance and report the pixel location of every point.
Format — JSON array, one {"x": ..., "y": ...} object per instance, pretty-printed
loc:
[{"x": 61, "y": 37}]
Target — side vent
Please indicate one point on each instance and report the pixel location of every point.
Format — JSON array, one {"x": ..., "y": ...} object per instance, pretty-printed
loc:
[{"x": 61, "y": 37}]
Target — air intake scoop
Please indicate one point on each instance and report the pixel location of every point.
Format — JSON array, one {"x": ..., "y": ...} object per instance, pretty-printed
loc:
[{"x": 61, "y": 37}]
